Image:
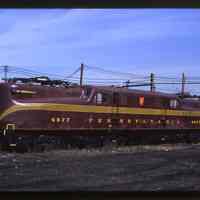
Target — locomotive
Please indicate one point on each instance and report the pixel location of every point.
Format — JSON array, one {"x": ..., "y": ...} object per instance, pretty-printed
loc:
[{"x": 93, "y": 116}]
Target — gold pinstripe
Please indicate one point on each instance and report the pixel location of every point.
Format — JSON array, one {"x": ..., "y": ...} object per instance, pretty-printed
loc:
[
  {"x": 96, "y": 109},
  {"x": 26, "y": 91}
]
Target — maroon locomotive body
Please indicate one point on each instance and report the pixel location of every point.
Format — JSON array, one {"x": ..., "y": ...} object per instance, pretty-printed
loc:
[{"x": 96, "y": 111}]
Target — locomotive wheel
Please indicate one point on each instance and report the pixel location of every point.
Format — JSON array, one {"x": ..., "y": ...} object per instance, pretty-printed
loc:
[
  {"x": 21, "y": 148},
  {"x": 122, "y": 141},
  {"x": 109, "y": 142},
  {"x": 4, "y": 147},
  {"x": 38, "y": 148},
  {"x": 188, "y": 139}
]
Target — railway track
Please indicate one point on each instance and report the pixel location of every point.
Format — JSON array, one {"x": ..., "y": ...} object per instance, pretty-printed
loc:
[{"x": 166, "y": 167}]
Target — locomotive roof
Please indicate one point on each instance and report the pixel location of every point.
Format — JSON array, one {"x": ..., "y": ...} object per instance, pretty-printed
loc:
[
  {"x": 53, "y": 100},
  {"x": 133, "y": 91}
]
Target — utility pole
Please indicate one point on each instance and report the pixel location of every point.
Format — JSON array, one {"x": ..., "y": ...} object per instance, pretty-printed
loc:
[
  {"x": 6, "y": 74},
  {"x": 183, "y": 85},
  {"x": 127, "y": 83},
  {"x": 152, "y": 83},
  {"x": 81, "y": 75}
]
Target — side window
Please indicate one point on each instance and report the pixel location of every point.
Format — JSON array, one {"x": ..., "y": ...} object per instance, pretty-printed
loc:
[
  {"x": 99, "y": 98},
  {"x": 173, "y": 103}
]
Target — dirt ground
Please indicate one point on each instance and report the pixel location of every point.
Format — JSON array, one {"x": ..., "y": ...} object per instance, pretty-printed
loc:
[{"x": 143, "y": 168}]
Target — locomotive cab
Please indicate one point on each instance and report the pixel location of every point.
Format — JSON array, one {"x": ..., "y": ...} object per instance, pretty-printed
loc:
[{"x": 96, "y": 96}]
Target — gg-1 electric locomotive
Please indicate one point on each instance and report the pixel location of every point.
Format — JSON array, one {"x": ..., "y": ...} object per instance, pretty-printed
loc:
[{"x": 96, "y": 115}]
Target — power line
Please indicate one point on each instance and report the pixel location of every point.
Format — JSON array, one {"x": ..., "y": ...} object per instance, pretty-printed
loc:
[
  {"x": 31, "y": 72},
  {"x": 133, "y": 80},
  {"x": 114, "y": 72},
  {"x": 72, "y": 74}
]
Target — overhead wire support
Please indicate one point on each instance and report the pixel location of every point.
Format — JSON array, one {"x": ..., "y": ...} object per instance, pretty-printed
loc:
[
  {"x": 81, "y": 75},
  {"x": 127, "y": 83},
  {"x": 183, "y": 85},
  {"x": 6, "y": 74},
  {"x": 152, "y": 83}
]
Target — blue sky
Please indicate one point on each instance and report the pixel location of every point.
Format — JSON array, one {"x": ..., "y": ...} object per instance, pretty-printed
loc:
[{"x": 138, "y": 41}]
